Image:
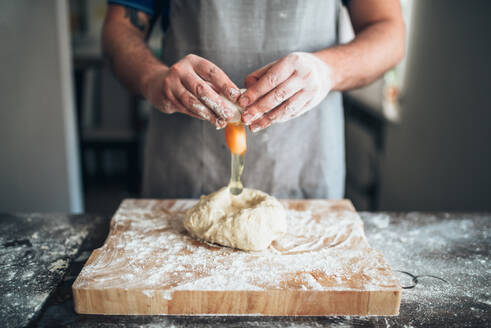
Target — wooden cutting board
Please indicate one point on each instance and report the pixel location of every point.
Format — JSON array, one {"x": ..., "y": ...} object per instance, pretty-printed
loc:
[{"x": 322, "y": 266}]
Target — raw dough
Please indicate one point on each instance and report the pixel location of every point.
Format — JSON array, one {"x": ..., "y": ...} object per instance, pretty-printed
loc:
[{"x": 249, "y": 221}]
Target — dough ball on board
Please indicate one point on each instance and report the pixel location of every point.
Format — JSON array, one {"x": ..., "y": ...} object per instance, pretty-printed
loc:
[{"x": 249, "y": 221}]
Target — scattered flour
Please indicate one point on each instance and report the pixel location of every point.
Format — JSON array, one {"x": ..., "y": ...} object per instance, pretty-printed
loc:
[
  {"x": 58, "y": 265},
  {"x": 381, "y": 221},
  {"x": 453, "y": 247},
  {"x": 324, "y": 249},
  {"x": 149, "y": 293}
]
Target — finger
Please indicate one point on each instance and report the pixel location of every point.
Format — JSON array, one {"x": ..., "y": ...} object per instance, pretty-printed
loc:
[
  {"x": 202, "y": 90},
  {"x": 194, "y": 105},
  {"x": 214, "y": 75},
  {"x": 273, "y": 99},
  {"x": 212, "y": 87},
  {"x": 183, "y": 110},
  {"x": 276, "y": 74},
  {"x": 168, "y": 107},
  {"x": 254, "y": 76},
  {"x": 260, "y": 124},
  {"x": 173, "y": 105},
  {"x": 187, "y": 112},
  {"x": 166, "y": 100},
  {"x": 291, "y": 108}
]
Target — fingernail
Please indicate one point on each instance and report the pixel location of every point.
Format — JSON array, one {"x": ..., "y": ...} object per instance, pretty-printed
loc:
[{"x": 244, "y": 101}]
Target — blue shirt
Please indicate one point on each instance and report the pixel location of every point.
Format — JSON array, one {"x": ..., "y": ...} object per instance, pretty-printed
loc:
[{"x": 150, "y": 7}]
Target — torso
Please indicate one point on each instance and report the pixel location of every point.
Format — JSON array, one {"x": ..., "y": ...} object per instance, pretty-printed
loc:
[{"x": 302, "y": 158}]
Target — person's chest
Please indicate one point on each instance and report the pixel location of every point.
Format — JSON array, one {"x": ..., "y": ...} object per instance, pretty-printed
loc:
[{"x": 252, "y": 26}]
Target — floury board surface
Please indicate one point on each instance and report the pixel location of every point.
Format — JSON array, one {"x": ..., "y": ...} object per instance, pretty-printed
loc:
[{"x": 322, "y": 266}]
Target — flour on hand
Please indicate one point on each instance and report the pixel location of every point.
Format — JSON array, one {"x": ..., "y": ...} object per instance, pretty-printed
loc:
[{"x": 249, "y": 221}]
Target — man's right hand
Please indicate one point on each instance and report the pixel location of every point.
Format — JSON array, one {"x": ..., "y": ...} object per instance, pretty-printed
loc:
[{"x": 192, "y": 86}]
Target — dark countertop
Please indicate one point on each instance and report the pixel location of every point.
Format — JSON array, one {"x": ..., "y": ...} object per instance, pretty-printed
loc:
[
  {"x": 446, "y": 257},
  {"x": 35, "y": 253}
]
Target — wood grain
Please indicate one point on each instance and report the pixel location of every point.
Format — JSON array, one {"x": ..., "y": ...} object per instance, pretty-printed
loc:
[{"x": 368, "y": 287}]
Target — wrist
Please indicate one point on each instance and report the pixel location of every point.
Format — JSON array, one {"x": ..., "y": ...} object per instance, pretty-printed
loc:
[
  {"x": 147, "y": 77},
  {"x": 333, "y": 70}
]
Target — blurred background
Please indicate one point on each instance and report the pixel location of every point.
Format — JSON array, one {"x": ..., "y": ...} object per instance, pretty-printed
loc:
[{"x": 71, "y": 137}]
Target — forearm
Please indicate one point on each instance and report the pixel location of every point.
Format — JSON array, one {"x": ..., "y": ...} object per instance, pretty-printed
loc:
[
  {"x": 126, "y": 52},
  {"x": 377, "y": 47},
  {"x": 375, "y": 50}
]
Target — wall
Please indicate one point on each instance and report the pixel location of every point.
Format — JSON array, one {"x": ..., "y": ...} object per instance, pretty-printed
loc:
[
  {"x": 38, "y": 147},
  {"x": 439, "y": 158}
]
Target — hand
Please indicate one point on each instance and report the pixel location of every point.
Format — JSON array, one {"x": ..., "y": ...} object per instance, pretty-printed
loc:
[
  {"x": 192, "y": 86},
  {"x": 284, "y": 89}
]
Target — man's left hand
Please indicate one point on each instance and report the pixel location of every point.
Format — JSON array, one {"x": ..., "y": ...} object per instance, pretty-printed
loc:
[{"x": 284, "y": 89}]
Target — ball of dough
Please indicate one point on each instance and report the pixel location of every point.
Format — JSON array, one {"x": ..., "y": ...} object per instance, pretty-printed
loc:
[{"x": 249, "y": 221}]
